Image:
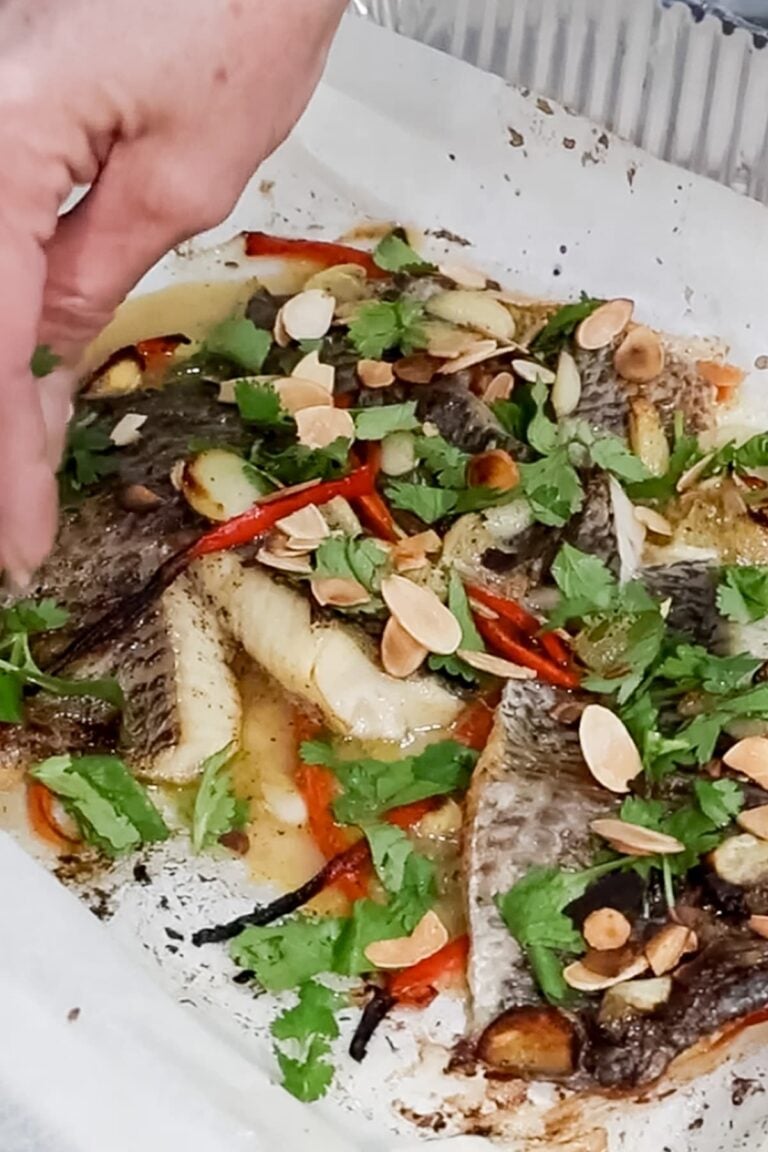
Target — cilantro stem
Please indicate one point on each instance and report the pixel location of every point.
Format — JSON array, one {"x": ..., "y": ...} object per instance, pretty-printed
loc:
[{"x": 669, "y": 887}]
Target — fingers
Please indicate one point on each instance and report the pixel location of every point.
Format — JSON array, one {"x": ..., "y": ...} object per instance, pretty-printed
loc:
[{"x": 27, "y": 483}]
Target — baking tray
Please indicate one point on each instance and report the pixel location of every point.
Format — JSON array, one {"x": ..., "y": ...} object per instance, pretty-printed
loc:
[{"x": 119, "y": 1037}]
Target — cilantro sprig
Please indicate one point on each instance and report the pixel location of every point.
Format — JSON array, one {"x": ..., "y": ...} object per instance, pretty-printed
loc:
[
  {"x": 217, "y": 809},
  {"x": 303, "y": 1036},
  {"x": 742, "y": 594},
  {"x": 562, "y": 324},
  {"x": 89, "y": 456},
  {"x": 394, "y": 254},
  {"x": 383, "y": 326},
  {"x": 239, "y": 340}
]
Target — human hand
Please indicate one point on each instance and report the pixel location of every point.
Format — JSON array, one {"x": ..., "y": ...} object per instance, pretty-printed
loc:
[{"x": 167, "y": 110}]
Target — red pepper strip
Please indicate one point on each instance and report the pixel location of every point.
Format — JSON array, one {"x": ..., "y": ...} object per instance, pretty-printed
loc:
[
  {"x": 259, "y": 519},
  {"x": 317, "y": 251},
  {"x": 473, "y": 725},
  {"x": 157, "y": 351},
  {"x": 42, "y": 819},
  {"x": 409, "y": 815},
  {"x": 500, "y": 639},
  {"x": 416, "y": 985},
  {"x": 372, "y": 508},
  {"x": 524, "y": 620}
]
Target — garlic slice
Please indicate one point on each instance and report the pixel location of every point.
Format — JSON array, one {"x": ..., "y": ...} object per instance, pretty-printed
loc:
[
  {"x": 422, "y": 615},
  {"x": 320, "y": 426},
  {"x": 477, "y": 310},
  {"x": 126, "y": 431},
  {"x": 566, "y": 390},
  {"x": 609, "y": 750}
]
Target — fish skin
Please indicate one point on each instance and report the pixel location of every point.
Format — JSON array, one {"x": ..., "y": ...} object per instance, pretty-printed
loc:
[
  {"x": 692, "y": 586},
  {"x": 530, "y": 803},
  {"x": 463, "y": 418}
]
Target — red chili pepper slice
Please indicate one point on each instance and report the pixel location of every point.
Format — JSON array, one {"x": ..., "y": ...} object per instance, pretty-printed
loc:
[
  {"x": 524, "y": 620},
  {"x": 259, "y": 519},
  {"x": 372, "y": 508},
  {"x": 157, "y": 350},
  {"x": 473, "y": 726},
  {"x": 417, "y": 985},
  {"x": 499, "y": 638},
  {"x": 42, "y": 818},
  {"x": 317, "y": 251},
  {"x": 407, "y": 816}
]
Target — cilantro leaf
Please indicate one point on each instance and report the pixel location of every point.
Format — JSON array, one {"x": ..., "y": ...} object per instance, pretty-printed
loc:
[
  {"x": 376, "y": 423},
  {"x": 429, "y": 504},
  {"x": 742, "y": 594},
  {"x": 88, "y": 456},
  {"x": 217, "y": 810},
  {"x": 515, "y": 415},
  {"x": 553, "y": 488},
  {"x": 697, "y": 825},
  {"x": 563, "y": 324},
  {"x": 694, "y": 666},
  {"x": 613, "y": 455},
  {"x": 33, "y": 616},
  {"x": 533, "y": 910},
  {"x": 259, "y": 403},
  {"x": 307, "y": 1030},
  {"x": 297, "y": 463},
  {"x": 587, "y": 586},
  {"x": 471, "y": 639},
  {"x": 685, "y": 453},
  {"x": 285, "y": 955},
  {"x": 719, "y": 800},
  {"x": 446, "y": 463},
  {"x": 372, "y": 787},
  {"x": 239, "y": 340},
  {"x": 360, "y": 559},
  {"x": 390, "y": 850},
  {"x": 43, "y": 361},
  {"x": 112, "y": 809},
  {"x": 543, "y": 433},
  {"x": 393, "y": 254},
  {"x": 382, "y": 325},
  {"x": 11, "y": 698}
]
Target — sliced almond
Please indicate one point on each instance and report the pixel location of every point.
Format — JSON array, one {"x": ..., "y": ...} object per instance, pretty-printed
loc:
[
  {"x": 311, "y": 368},
  {"x": 759, "y": 924},
  {"x": 428, "y": 937},
  {"x": 308, "y": 315},
  {"x": 634, "y": 840},
  {"x": 724, "y": 378},
  {"x": 530, "y": 371},
  {"x": 482, "y": 610},
  {"x": 665, "y": 950},
  {"x": 477, "y": 310},
  {"x": 583, "y": 979},
  {"x": 319, "y": 427},
  {"x": 566, "y": 389},
  {"x": 692, "y": 474},
  {"x": 297, "y": 394},
  {"x": 339, "y": 592},
  {"x": 494, "y": 469},
  {"x": 609, "y": 750},
  {"x": 416, "y": 369},
  {"x": 448, "y": 342},
  {"x": 462, "y": 275},
  {"x": 606, "y": 929},
  {"x": 755, "y": 820},
  {"x": 298, "y": 564},
  {"x": 640, "y": 356},
  {"x": 483, "y": 350},
  {"x": 500, "y": 388},
  {"x": 126, "y": 431},
  {"x": 635, "y": 996},
  {"x": 750, "y": 757},
  {"x": 495, "y": 665},
  {"x": 375, "y": 373},
  {"x": 401, "y": 655},
  {"x": 139, "y": 498},
  {"x": 604, "y": 324},
  {"x": 282, "y": 339},
  {"x": 653, "y": 521},
  {"x": 647, "y": 437},
  {"x": 422, "y": 615},
  {"x": 227, "y": 393},
  {"x": 306, "y": 524},
  {"x": 411, "y": 552}
]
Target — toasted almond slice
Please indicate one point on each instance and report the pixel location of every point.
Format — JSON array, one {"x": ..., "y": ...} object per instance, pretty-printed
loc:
[
  {"x": 640, "y": 356},
  {"x": 311, "y": 368},
  {"x": 296, "y": 394},
  {"x": 477, "y": 310},
  {"x": 750, "y": 757},
  {"x": 604, "y": 324},
  {"x": 308, "y": 315},
  {"x": 759, "y": 924},
  {"x": 400, "y": 653},
  {"x": 609, "y": 750},
  {"x": 339, "y": 592},
  {"x": 665, "y": 949},
  {"x": 482, "y": 350},
  {"x": 647, "y": 437},
  {"x": 692, "y": 474},
  {"x": 428, "y": 937},
  {"x": 416, "y": 369},
  {"x": 411, "y": 552},
  {"x": 375, "y": 373},
  {"x": 500, "y": 388},
  {"x": 606, "y": 929},
  {"x": 653, "y": 521},
  {"x": 422, "y": 615},
  {"x": 482, "y": 610},
  {"x": 634, "y": 840},
  {"x": 495, "y": 665},
  {"x": 462, "y": 275},
  {"x": 280, "y": 493},
  {"x": 139, "y": 498},
  {"x": 530, "y": 371},
  {"x": 724, "y": 378},
  {"x": 126, "y": 431},
  {"x": 306, "y": 524},
  {"x": 298, "y": 564},
  {"x": 583, "y": 979},
  {"x": 282, "y": 339},
  {"x": 494, "y": 469},
  {"x": 227, "y": 393},
  {"x": 566, "y": 390},
  {"x": 446, "y": 341},
  {"x": 755, "y": 820},
  {"x": 278, "y": 545},
  {"x": 319, "y": 427}
]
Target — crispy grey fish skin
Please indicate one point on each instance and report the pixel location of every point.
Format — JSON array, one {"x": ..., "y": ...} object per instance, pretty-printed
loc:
[
  {"x": 530, "y": 803},
  {"x": 463, "y": 418},
  {"x": 691, "y": 585}
]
